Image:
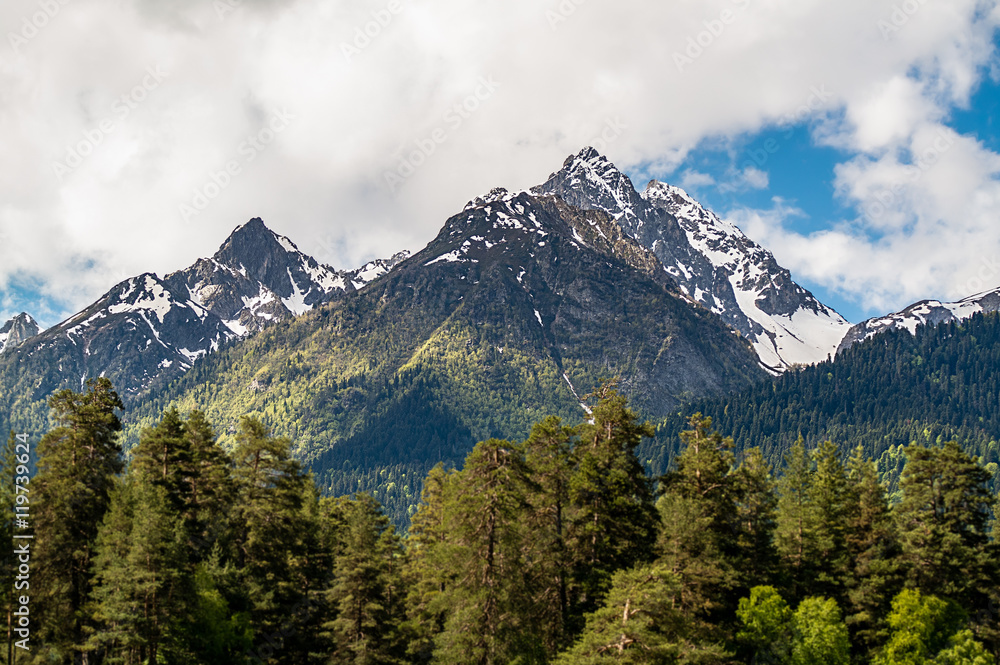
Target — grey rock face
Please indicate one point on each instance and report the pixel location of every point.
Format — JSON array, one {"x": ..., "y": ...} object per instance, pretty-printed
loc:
[
  {"x": 17, "y": 331},
  {"x": 714, "y": 263}
]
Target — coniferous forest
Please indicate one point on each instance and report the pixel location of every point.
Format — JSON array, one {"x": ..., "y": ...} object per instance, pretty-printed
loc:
[{"x": 557, "y": 549}]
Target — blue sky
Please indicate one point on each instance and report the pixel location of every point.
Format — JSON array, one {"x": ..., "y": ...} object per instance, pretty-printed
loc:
[{"x": 854, "y": 139}]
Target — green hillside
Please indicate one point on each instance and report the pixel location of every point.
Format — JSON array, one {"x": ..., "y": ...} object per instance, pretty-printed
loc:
[
  {"x": 895, "y": 389},
  {"x": 376, "y": 388}
]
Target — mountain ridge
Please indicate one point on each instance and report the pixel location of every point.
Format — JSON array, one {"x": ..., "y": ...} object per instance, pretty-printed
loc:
[
  {"x": 714, "y": 262},
  {"x": 923, "y": 313}
]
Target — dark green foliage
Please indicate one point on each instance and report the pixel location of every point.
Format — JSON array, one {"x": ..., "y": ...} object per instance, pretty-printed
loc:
[
  {"x": 77, "y": 465},
  {"x": 876, "y": 574},
  {"x": 143, "y": 583},
  {"x": 943, "y": 523},
  {"x": 367, "y": 594},
  {"x": 546, "y": 551},
  {"x": 795, "y": 535},
  {"x": 613, "y": 525},
  {"x": 698, "y": 535},
  {"x": 640, "y": 623},
  {"x": 895, "y": 389},
  {"x": 272, "y": 529}
]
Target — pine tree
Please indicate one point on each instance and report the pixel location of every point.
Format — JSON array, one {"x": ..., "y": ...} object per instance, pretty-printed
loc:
[
  {"x": 77, "y": 465},
  {"x": 943, "y": 521},
  {"x": 875, "y": 576},
  {"x": 272, "y": 542},
  {"x": 698, "y": 539},
  {"x": 367, "y": 592},
  {"x": 207, "y": 485},
  {"x": 614, "y": 523},
  {"x": 490, "y": 618},
  {"x": 143, "y": 582},
  {"x": 756, "y": 510},
  {"x": 831, "y": 500},
  {"x": 549, "y": 456},
  {"x": 428, "y": 573},
  {"x": 795, "y": 537}
]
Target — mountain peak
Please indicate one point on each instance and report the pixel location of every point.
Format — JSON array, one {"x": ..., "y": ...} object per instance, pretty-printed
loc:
[
  {"x": 923, "y": 313},
  {"x": 17, "y": 331}
]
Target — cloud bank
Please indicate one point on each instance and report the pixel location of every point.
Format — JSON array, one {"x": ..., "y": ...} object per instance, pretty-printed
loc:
[{"x": 137, "y": 133}]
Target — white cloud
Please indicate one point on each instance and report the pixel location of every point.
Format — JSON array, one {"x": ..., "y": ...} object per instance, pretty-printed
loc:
[
  {"x": 691, "y": 179},
  {"x": 322, "y": 180}
]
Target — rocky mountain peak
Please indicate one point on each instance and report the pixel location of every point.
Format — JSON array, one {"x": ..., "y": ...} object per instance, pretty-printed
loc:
[
  {"x": 17, "y": 331},
  {"x": 713, "y": 261}
]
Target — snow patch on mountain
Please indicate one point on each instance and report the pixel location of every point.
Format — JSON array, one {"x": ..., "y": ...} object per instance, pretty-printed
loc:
[
  {"x": 923, "y": 313},
  {"x": 17, "y": 331},
  {"x": 713, "y": 262}
]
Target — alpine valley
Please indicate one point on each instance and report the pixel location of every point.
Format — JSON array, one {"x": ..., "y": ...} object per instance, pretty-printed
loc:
[{"x": 523, "y": 303}]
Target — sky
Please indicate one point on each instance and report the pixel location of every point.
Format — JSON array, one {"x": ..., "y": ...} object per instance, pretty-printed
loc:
[{"x": 854, "y": 139}]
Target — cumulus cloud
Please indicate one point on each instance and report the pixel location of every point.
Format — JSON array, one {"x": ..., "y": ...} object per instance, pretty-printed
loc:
[{"x": 397, "y": 113}]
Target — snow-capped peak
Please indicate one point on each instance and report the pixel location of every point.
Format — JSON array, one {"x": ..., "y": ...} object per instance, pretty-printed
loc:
[
  {"x": 923, "y": 313},
  {"x": 713, "y": 261},
  {"x": 17, "y": 331}
]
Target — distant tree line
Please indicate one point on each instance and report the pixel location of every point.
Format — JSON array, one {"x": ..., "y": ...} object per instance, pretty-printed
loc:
[
  {"x": 559, "y": 549},
  {"x": 895, "y": 389}
]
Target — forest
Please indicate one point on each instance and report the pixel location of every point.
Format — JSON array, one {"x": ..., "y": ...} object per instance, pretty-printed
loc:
[
  {"x": 558, "y": 549},
  {"x": 938, "y": 384}
]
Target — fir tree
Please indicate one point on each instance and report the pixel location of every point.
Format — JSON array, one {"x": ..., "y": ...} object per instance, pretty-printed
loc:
[
  {"x": 428, "y": 573},
  {"x": 490, "y": 619},
  {"x": 875, "y": 576},
  {"x": 943, "y": 520},
  {"x": 756, "y": 510},
  {"x": 271, "y": 542},
  {"x": 549, "y": 456},
  {"x": 614, "y": 523},
  {"x": 367, "y": 592},
  {"x": 143, "y": 582},
  {"x": 77, "y": 465},
  {"x": 831, "y": 500},
  {"x": 795, "y": 535},
  {"x": 699, "y": 529}
]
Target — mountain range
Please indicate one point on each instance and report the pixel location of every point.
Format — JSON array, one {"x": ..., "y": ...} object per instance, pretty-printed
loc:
[{"x": 520, "y": 306}]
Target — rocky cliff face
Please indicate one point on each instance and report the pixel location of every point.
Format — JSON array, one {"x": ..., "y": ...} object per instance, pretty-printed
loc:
[
  {"x": 714, "y": 263},
  {"x": 17, "y": 331}
]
